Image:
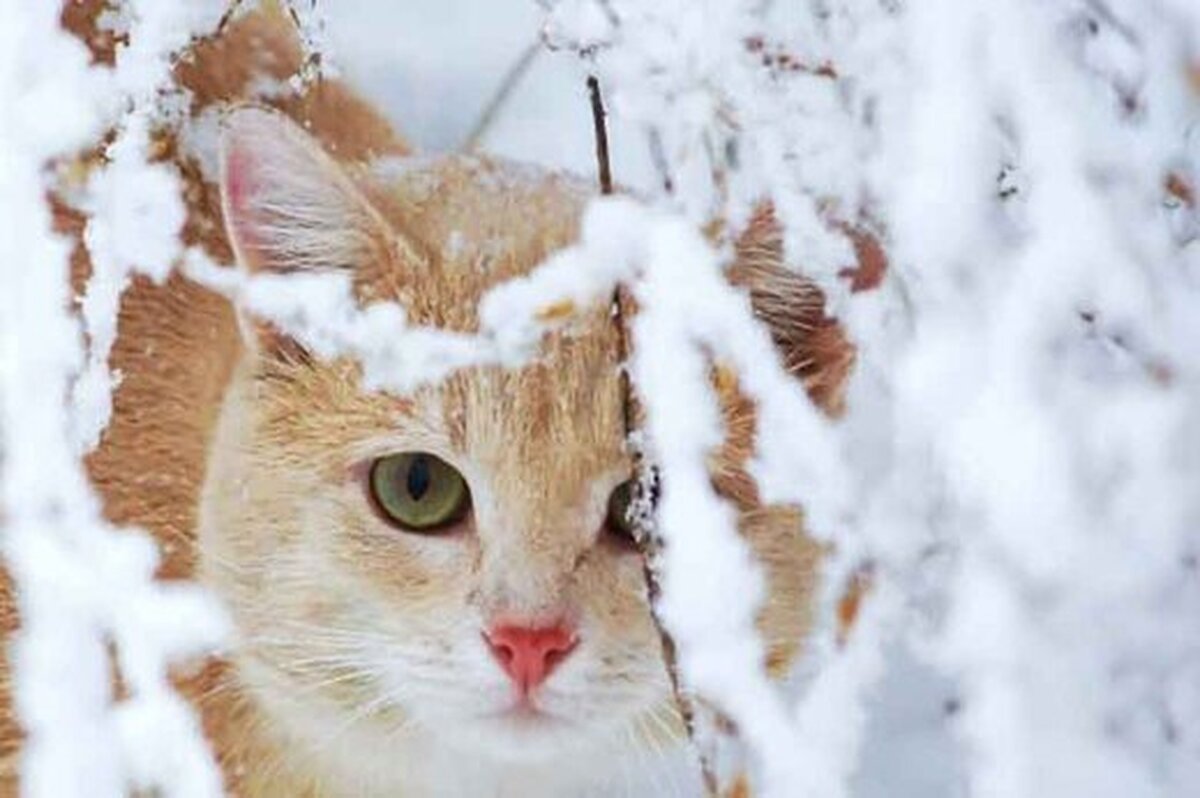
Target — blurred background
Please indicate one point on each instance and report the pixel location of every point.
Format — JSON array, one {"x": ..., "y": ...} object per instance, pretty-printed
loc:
[{"x": 435, "y": 67}]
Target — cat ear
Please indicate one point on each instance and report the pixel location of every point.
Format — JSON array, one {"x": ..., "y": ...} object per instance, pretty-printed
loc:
[
  {"x": 812, "y": 345},
  {"x": 288, "y": 206}
]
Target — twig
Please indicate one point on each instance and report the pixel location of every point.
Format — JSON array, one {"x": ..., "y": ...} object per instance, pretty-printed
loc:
[
  {"x": 226, "y": 17},
  {"x": 646, "y": 485},
  {"x": 503, "y": 93},
  {"x": 601, "y": 131},
  {"x": 658, "y": 157},
  {"x": 312, "y": 67}
]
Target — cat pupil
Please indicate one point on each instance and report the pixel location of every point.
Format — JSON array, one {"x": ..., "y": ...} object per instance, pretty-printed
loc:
[{"x": 418, "y": 477}]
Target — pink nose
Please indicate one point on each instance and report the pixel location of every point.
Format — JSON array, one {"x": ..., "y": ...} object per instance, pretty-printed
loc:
[{"x": 529, "y": 655}]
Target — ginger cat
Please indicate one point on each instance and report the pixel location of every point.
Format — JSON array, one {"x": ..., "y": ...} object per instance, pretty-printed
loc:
[{"x": 434, "y": 594}]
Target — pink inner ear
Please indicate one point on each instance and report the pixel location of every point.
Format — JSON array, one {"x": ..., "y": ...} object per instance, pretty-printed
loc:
[{"x": 239, "y": 189}]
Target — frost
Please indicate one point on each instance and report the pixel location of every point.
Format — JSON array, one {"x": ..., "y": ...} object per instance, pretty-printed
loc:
[{"x": 135, "y": 216}]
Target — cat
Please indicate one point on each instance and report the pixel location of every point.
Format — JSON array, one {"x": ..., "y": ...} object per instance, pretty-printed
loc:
[{"x": 434, "y": 593}]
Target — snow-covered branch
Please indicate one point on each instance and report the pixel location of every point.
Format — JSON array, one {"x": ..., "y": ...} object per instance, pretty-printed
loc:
[{"x": 83, "y": 588}]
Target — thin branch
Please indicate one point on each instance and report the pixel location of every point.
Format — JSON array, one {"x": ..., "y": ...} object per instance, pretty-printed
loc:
[
  {"x": 658, "y": 157},
  {"x": 233, "y": 8},
  {"x": 500, "y": 98},
  {"x": 601, "y": 130}
]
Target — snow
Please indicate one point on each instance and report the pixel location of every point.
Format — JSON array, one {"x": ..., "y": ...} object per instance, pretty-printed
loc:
[
  {"x": 319, "y": 310},
  {"x": 1018, "y": 460},
  {"x": 82, "y": 585}
]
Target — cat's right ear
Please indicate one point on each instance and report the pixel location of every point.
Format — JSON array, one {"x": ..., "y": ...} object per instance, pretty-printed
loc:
[{"x": 287, "y": 205}]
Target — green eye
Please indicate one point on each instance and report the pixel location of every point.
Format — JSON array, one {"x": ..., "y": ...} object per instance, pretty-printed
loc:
[
  {"x": 418, "y": 491},
  {"x": 620, "y": 515}
]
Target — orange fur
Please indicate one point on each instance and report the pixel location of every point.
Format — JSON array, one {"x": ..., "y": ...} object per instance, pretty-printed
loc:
[{"x": 241, "y": 456}]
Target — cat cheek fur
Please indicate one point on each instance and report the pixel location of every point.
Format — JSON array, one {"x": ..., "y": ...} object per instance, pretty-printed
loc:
[{"x": 340, "y": 611}]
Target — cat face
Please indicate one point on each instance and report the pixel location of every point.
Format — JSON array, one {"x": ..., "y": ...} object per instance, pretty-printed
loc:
[{"x": 515, "y": 623}]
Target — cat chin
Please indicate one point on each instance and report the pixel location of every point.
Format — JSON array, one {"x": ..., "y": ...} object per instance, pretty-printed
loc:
[
  {"x": 552, "y": 757},
  {"x": 520, "y": 737},
  {"x": 533, "y": 763}
]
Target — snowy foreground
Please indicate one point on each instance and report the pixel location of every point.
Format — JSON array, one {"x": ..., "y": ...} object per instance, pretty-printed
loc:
[{"x": 1019, "y": 464}]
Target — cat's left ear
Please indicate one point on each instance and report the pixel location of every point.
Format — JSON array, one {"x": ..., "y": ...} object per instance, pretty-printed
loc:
[{"x": 288, "y": 206}]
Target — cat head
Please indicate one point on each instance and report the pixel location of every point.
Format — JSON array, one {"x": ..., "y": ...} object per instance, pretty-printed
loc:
[{"x": 450, "y": 564}]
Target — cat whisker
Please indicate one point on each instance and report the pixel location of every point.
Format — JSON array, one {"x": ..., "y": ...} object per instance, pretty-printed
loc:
[
  {"x": 660, "y": 748},
  {"x": 340, "y": 632},
  {"x": 318, "y": 661},
  {"x": 226, "y": 683},
  {"x": 637, "y": 741},
  {"x": 362, "y": 713}
]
